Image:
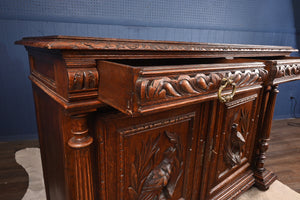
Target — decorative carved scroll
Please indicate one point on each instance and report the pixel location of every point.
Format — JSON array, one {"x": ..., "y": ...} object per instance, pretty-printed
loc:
[
  {"x": 156, "y": 182},
  {"x": 186, "y": 85},
  {"x": 287, "y": 70},
  {"x": 235, "y": 147},
  {"x": 82, "y": 79}
]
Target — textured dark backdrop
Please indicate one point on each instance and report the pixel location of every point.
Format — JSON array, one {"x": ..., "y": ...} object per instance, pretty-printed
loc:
[{"x": 271, "y": 22}]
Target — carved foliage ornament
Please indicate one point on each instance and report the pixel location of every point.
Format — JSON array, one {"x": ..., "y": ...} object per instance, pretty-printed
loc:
[
  {"x": 237, "y": 139},
  {"x": 186, "y": 85},
  {"x": 82, "y": 79},
  {"x": 287, "y": 70},
  {"x": 157, "y": 182}
]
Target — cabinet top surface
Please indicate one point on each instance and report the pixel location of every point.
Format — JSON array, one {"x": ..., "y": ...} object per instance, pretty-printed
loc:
[{"x": 92, "y": 43}]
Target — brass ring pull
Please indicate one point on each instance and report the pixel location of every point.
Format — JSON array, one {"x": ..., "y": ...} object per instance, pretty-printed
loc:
[{"x": 228, "y": 97}]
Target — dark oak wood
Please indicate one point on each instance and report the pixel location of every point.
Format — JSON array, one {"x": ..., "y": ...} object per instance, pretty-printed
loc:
[{"x": 133, "y": 119}]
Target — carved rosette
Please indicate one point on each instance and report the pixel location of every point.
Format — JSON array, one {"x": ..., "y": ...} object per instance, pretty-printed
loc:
[
  {"x": 237, "y": 140},
  {"x": 287, "y": 70},
  {"x": 187, "y": 85},
  {"x": 149, "y": 181}
]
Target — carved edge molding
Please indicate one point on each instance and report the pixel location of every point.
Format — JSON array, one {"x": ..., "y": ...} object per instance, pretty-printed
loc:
[
  {"x": 70, "y": 42},
  {"x": 240, "y": 101},
  {"x": 134, "y": 130},
  {"x": 152, "y": 89},
  {"x": 287, "y": 70},
  {"x": 156, "y": 124},
  {"x": 129, "y": 45}
]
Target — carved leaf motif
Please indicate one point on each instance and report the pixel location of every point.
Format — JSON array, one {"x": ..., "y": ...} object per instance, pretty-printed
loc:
[
  {"x": 133, "y": 176},
  {"x": 185, "y": 85},
  {"x": 91, "y": 79},
  {"x": 156, "y": 182},
  {"x": 171, "y": 90},
  {"x": 245, "y": 79},
  {"x": 236, "y": 78},
  {"x": 132, "y": 193},
  {"x": 215, "y": 79},
  {"x": 287, "y": 70},
  {"x": 77, "y": 81},
  {"x": 201, "y": 81},
  {"x": 81, "y": 79}
]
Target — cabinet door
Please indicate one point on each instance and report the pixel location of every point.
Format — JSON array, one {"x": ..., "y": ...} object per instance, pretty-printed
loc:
[
  {"x": 231, "y": 144},
  {"x": 150, "y": 157}
]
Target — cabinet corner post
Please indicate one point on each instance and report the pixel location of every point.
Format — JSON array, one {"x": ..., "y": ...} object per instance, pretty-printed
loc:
[
  {"x": 263, "y": 177},
  {"x": 81, "y": 173}
]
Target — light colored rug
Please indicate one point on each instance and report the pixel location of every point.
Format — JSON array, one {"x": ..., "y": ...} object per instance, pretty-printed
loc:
[{"x": 29, "y": 158}]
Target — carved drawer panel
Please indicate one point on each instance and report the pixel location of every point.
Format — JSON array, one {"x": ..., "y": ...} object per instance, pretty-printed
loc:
[
  {"x": 148, "y": 158},
  {"x": 284, "y": 70},
  {"x": 233, "y": 141},
  {"x": 137, "y": 87}
]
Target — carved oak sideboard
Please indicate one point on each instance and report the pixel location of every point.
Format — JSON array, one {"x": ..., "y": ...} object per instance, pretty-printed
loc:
[{"x": 141, "y": 120}]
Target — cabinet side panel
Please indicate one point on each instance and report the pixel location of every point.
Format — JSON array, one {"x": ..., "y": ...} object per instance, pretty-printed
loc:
[{"x": 51, "y": 144}]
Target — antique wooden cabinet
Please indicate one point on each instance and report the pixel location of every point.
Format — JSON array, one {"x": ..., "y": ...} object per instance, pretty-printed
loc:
[{"x": 140, "y": 120}]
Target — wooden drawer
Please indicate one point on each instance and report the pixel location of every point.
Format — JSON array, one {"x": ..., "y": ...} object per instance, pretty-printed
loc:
[
  {"x": 137, "y": 87},
  {"x": 284, "y": 70}
]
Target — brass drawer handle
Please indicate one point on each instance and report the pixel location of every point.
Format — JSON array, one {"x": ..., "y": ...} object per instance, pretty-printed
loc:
[{"x": 228, "y": 97}]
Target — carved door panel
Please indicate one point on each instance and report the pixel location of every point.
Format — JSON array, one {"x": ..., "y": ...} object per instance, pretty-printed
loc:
[
  {"x": 149, "y": 157},
  {"x": 232, "y": 141}
]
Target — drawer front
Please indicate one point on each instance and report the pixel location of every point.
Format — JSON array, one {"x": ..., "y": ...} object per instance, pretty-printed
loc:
[
  {"x": 135, "y": 89},
  {"x": 232, "y": 144},
  {"x": 148, "y": 158},
  {"x": 285, "y": 70}
]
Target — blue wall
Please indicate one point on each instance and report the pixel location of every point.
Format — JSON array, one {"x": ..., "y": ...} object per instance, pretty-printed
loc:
[{"x": 269, "y": 22}]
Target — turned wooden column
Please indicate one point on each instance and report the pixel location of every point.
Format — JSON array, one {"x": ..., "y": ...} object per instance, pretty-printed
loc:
[
  {"x": 81, "y": 174},
  {"x": 263, "y": 177}
]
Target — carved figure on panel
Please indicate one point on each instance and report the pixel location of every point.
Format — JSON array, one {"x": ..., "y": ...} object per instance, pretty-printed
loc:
[
  {"x": 237, "y": 139},
  {"x": 156, "y": 182}
]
